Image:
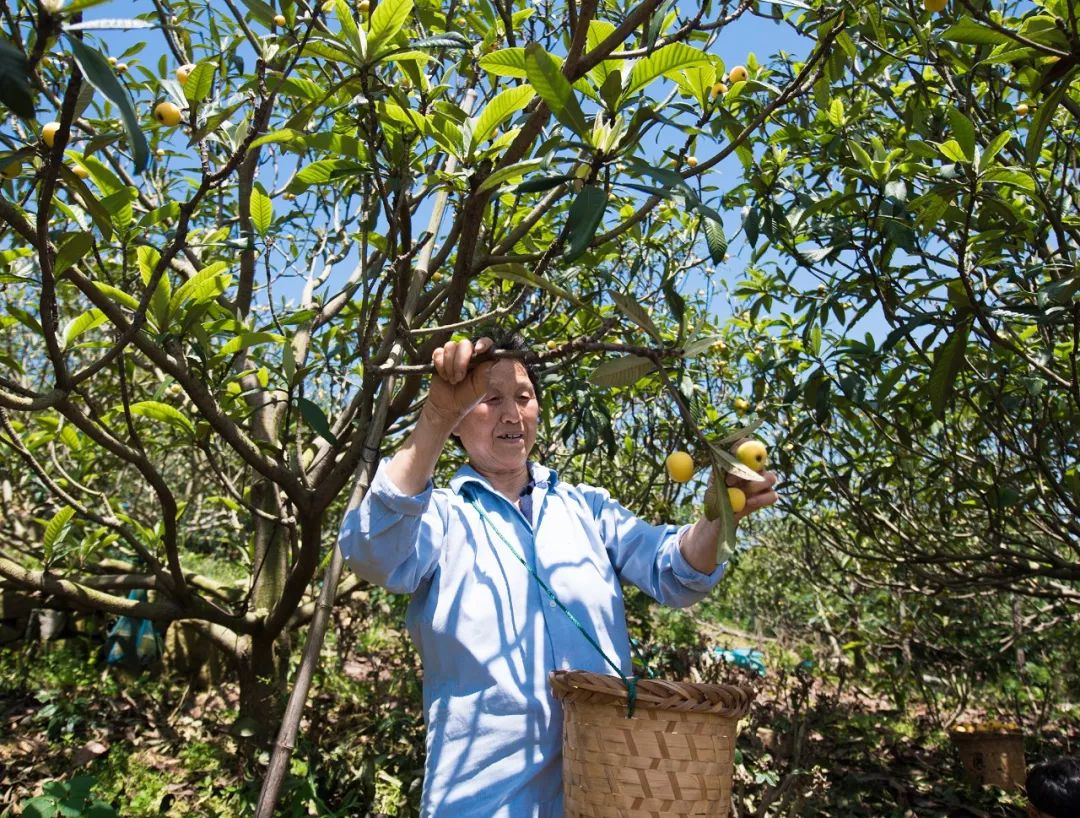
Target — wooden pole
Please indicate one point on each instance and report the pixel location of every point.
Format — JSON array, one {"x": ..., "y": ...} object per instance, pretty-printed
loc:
[{"x": 294, "y": 710}]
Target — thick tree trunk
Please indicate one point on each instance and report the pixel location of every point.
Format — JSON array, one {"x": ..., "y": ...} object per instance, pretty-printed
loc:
[{"x": 262, "y": 663}]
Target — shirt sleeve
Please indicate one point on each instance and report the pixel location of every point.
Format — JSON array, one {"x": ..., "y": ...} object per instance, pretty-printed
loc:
[
  {"x": 649, "y": 556},
  {"x": 392, "y": 539}
]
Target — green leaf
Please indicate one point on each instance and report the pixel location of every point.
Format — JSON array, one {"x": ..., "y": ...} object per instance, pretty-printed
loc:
[
  {"x": 600, "y": 30},
  {"x": 666, "y": 177},
  {"x": 719, "y": 506},
  {"x": 200, "y": 82},
  {"x": 584, "y": 219},
  {"x": 625, "y": 371},
  {"x": 324, "y": 171},
  {"x": 79, "y": 5},
  {"x": 951, "y": 150},
  {"x": 41, "y": 807},
  {"x": 160, "y": 215},
  {"x": 1010, "y": 176},
  {"x": 81, "y": 324},
  {"x": 967, "y": 31},
  {"x": 672, "y": 57},
  {"x": 676, "y": 303},
  {"x": 261, "y": 11},
  {"x": 72, "y": 251},
  {"x": 725, "y": 460},
  {"x": 70, "y": 437},
  {"x": 993, "y": 149},
  {"x": 506, "y": 62},
  {"x": 386, "y": 21},
  {"x": 861, "y": 156},
  {"x": 511, "y": 173},
  {"x": 715, "y": 239},
  {"x": 658, "y": 21},
  {"x": 327, "y": 49},
  {"x": 740, "y": 433},
  {"x": 964, "y": 131},
  {"x": 245, "y": 340},
  {"x": 316, "y": 419},
  {"x": 15, "y": 91},
  {"x": 25, "y": 318},
  {"x": 97, "y": 211},
  {"x": 549, "y": 82},
  {"x": 284, "y": 135},
  {"x": 521, "y": 274},
  {"x": 78, "y": 788},
  {"x": 101, "y": 173},
  {"x": 205, "y": 285},
  {"x": 498, "y": 111},
  {"x": 354, "y": 35},
  {"x": 262, "y": 209},
  {"x": 163, "y": 412},
  {"x": 159, "y": 301},
  {"x": 214, "y": 121},
  {"x": 1040, "y": 122},
  {"x": 948, "y": 361},
  {"x": 99, "y": 74},
  {"x": 56, "y": 530},
  {"x": 288, "y": 363},
  {"x": 636, "y": 313},
  {"x": 713, "y": 505},
  {"x": 120, "y": 207},
  {"x": 117, "y": 295},
  {"x": 701, "y": 344},
  {"x": 446, "y": 39},
  {"x": 836, "y": 113},
  {"x": 541, "y": 183}
]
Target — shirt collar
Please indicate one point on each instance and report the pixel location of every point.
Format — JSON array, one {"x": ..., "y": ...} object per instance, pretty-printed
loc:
[{"x": 544, "y": 477}]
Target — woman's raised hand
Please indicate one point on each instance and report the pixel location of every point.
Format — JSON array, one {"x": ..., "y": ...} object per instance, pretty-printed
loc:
[{"x": 458, "y": 384}]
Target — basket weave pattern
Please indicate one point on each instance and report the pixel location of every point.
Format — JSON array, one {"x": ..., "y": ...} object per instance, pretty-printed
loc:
[
  {"x": 673, "y": 758},
  {"x": 992, "y": 758}
]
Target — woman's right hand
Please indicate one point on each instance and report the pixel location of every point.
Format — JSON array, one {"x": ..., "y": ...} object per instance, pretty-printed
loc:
[{"x": 457, "y": 384}]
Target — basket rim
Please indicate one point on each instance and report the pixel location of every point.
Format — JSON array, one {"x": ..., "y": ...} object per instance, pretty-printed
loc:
[
  {"x": 985, "y": 734},
  {"x": 657, "y": 694}
]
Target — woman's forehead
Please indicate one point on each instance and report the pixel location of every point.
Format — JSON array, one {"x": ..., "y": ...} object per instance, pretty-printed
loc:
[{"x": 508, "y": 374}]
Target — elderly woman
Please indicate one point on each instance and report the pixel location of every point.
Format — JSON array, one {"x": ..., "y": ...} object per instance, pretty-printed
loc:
[{"x": 487, "y": 634}]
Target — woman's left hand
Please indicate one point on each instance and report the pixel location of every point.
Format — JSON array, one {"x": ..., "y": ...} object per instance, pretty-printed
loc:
[{"x": 759, "y": 493}]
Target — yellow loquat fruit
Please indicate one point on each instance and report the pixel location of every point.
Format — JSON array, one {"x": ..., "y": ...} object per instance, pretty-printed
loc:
[{"x": 680, "y": 466}]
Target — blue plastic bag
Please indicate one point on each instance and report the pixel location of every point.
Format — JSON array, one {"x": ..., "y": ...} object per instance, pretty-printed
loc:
[
  {"x": 747, "y": 658},
  {"x": 133, "y": 642}
]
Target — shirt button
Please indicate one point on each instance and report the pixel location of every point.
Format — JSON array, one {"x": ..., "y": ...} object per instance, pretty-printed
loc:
[{"x": 551, "y": 603}]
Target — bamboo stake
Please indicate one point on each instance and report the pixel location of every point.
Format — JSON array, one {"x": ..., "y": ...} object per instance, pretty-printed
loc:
[{"x": 294, "y": 710}]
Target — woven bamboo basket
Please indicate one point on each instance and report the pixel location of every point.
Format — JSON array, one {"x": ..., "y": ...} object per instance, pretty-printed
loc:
[
  {"x": 674, "y": 758},
  {"x": 992, "y": 758}
]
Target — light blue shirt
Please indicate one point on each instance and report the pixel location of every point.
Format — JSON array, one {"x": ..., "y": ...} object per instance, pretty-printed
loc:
[{"x": 487, "y": 634}]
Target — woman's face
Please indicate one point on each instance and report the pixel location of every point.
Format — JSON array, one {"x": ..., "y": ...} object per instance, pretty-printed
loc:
[{"x": 499, "y": 433}]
